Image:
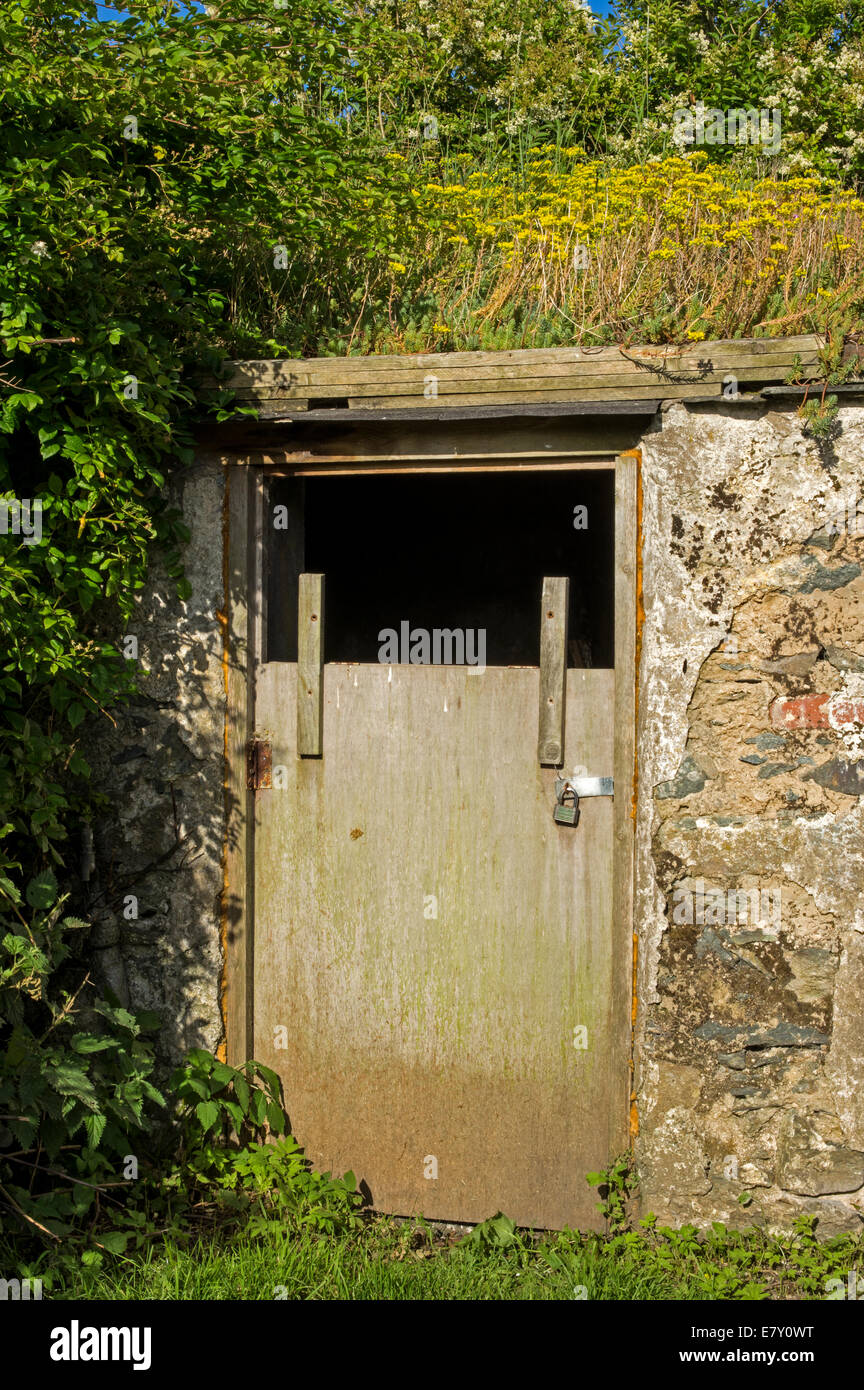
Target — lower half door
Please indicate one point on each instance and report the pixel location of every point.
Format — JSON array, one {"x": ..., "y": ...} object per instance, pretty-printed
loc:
[{"x": 433, "y": 953}]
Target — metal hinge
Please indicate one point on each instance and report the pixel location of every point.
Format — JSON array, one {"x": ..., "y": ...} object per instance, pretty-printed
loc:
[{"x": 259, "y": 762}]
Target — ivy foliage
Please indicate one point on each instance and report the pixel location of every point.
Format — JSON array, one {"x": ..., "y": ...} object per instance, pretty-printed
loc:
[{"x": 155, "y": 172}]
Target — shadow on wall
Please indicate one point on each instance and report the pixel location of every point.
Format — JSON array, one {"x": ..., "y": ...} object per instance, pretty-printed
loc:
[{"x": 155, "y": 891}]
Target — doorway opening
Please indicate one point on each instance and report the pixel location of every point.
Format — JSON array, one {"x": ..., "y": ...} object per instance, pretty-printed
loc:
[{"x": 451, "y": 552}]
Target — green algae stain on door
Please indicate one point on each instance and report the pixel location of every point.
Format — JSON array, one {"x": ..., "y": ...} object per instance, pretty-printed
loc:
[{"x": 436, "y": 953}]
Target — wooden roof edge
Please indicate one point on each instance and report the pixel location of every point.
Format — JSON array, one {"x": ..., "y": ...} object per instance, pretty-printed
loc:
[
  {"x": 383, "y": 414},
  {"x": 519, "y": 381},
  {"x": 575, "y": 352}
]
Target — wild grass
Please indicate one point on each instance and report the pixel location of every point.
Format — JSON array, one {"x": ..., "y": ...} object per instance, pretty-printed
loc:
[
  {"x": 409, "y": 1261},
  {"x": 556, "y": 248}
]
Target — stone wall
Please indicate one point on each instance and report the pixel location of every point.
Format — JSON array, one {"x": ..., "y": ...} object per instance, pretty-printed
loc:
[
  {"x": 750, "y": 1044},
  {"x": 156, "y": 891},
  {"x": 749, "y": 1048}
]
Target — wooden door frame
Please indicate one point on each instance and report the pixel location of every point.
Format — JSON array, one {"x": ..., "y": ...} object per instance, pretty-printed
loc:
[{"x": 243, "y": 625}]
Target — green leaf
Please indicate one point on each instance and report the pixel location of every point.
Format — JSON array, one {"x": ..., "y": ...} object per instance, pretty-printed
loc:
[
  {"x": 268, "y": 1077},
  {"x": 84, "y": 1044},
  {"x": 198, "y": 1057},
  {"x": 495, "y": 1233},
  {"x": 195, "y": 1085},
  {"x": 207, "y": 1112},
  {"x": 115, "y": 1242},
  {"x": 95, "y": 1127},
  {"x": 275, "y": 1117},
  {"x": 71, "y": 1081},
  {"x": 41, "y": 891},
  {"x": 8, "y": 887},
  {"x": 75, "y": 713},
  {"x": 234, "y": 1110},
  {"x": 76, "y": 924},
  {"x": 258, "y": 1107},
  {"x": 241, "y": 1091}
]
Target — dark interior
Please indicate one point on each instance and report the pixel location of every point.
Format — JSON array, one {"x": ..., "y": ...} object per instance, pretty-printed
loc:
[{"x": 455, "y": 551}]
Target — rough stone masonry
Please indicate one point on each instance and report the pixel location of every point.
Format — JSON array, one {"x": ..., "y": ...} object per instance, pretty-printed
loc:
[
  {"x": 749, "y": 1039},
  {"x": 156, "y": 893},
  {"x": 748, "y": 1043}
]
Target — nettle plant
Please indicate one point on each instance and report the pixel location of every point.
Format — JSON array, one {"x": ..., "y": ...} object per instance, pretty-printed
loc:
[
  {"x": 74, "y": 1075},
  {"x": 236, "y": 1162}
]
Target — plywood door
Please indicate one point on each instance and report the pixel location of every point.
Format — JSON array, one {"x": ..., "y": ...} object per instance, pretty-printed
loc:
[{"x": 435, "y": 960}]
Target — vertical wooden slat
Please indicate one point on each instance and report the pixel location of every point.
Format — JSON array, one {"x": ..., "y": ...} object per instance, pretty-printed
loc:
[
  {"x": 310, "y": 662},
  {"x": 286, "y": 552},
  {"x": 553, "y": 670},
  {"x": 241, "y": 586},
  {"x": 624, "y": 758},
  {"x": 259, "y": 486}
]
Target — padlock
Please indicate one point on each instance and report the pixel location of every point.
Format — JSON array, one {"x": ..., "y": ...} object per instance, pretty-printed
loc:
[{"x": 566, "y": 815}]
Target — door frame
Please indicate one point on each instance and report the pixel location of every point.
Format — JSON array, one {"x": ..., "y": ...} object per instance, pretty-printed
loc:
[{"x": 242, "y": 620}]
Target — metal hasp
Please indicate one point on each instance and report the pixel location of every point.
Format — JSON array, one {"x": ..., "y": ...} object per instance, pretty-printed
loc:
[
  {"x": 577, "y": 788},
  {"x": 583, "y": 786},
  {"x": 592, "y": 786}
]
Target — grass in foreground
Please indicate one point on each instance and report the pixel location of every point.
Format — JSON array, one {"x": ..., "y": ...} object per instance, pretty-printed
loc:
[{"x": 395, "y": 1261}]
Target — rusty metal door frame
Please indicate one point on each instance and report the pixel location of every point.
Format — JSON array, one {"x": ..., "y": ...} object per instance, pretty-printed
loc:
[{"x": 243, "y": 625}]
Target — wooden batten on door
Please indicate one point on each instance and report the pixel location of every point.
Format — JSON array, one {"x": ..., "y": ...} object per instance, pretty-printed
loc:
[
  {"x": 554, "y": 607},
  {"x": 310, "y": 665}
]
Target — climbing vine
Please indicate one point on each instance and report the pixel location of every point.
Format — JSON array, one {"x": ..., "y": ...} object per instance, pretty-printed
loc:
[{"x": 155, "y": 173}]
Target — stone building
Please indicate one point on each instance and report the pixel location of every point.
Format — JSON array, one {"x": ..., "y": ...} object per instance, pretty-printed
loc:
[{"x": 352, "y": 868}]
